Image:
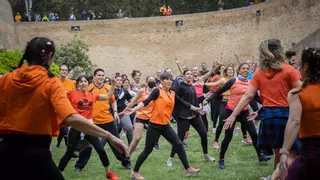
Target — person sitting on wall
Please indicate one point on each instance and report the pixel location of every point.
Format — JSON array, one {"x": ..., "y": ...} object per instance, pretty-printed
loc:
[
  {"x": 169, "y": 11},
  {"x": 18, "y": 17},
  {"x": 45, "y": 18},
  {"x": 163, "y": 10}
]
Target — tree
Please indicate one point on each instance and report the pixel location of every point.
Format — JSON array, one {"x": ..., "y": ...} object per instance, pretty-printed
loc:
[
  {"x": 74, "y": 55},
  {"x": 9, "y": 61}
]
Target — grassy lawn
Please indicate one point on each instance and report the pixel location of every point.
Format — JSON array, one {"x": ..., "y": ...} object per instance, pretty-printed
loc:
[{"x": 241, "y": 162}]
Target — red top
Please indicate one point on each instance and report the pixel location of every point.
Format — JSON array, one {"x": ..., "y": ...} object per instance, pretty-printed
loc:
[{"x": 83, "y": 102}]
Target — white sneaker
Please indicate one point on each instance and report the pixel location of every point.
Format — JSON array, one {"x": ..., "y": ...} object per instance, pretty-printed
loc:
[
  {"x": 208, "y": 158},
  {"x": 214, "y": 130},
  {"x": 170, "y": 162},
  {"x": 235, "y": 132}
]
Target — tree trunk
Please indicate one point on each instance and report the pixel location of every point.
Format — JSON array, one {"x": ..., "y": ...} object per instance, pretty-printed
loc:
[
  {"x": 27, "y": 7},
  {"x": 30, "y": 5}
]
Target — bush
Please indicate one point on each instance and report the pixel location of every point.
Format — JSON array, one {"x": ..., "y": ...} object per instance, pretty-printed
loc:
[{"x": 9, "y": 61}]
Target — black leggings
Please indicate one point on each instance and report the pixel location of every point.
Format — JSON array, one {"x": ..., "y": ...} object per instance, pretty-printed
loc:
[
  {"x": 63, "y": 134},
  {"x": 111, "y": 127},
  {"x": 30, "y": 151},
  {"x": 153, "y": 133},
  {"x": 248, "y": 125},
  {"x": 205, "y": 121},
  {"x": 222, "y": 117},
  {"x": 215, "y": 110},
  {"x": 196, "y": 122},
  {"x": 73, "y": 139}
]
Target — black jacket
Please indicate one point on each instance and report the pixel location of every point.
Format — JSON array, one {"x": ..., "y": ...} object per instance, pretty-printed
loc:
[
  {"x": 121, "y": 96},
  {"x": 187, "y": 93}
]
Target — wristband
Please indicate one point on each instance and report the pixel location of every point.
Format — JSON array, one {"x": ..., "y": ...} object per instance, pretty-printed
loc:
[{"x": 284, "y": 151}]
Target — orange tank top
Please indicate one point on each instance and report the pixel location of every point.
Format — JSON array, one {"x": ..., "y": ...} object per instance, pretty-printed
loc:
[
  {"x": 163, "y": 107},
  {"x": 310, "y": 119},
  {"x": 145, "y": 112},
  {"x": 237, "y": 90}
]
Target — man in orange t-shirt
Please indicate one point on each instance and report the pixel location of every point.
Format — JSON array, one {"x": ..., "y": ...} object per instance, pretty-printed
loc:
[
  {"x": 103, "y": 117},
  {"x": 68, "y": 85}
]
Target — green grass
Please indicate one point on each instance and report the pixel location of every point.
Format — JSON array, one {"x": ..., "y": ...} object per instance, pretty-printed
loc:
[{"x": 241, "y": 162}]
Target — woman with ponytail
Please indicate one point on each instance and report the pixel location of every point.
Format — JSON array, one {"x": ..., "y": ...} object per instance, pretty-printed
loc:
[
  {"x": 33, "y": 105},
  {"x": 274, "y": 79},
  {"x": 304, "y": 122}
]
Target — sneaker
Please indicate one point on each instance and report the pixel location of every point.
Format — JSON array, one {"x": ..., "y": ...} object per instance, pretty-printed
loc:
[
  {"x": 136, "y": 176},
  {"x": 186, "y": 135},
  {"x": 74, "y": 156},
  {"x": 265, "y": 178},
  {"x": 221, "y": 164},
  {"x": 127, "y": 165},
  {"x": 76, "y": 169},
  {"x": 208, "y": 158},
  {"x": 58, "y": 145},
  {"x": 214, "y": 130},
  {"x": 111, "y": 176},
  {"x": 247, "y": 141},
  {"x": 235, "y": 132},
  {"x": 215, "y": 145},
  {"x": 170, "y": 162},
  {"x": 185, "y": 144},
  {"x": 264, "y": 158},
  {"x": 191, "y": 171},
  {"x": 124, "y": 134},
  {"x": 156, "y": 148}
]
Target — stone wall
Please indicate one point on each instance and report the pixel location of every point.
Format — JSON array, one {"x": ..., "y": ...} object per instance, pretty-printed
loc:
[
  {"x": 8, "y": 39},
  {"x": 152, "y": 43},
  {"x": 313, "y": 40}
]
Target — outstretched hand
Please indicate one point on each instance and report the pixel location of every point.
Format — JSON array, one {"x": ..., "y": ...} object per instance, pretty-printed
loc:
[
  {"x": 229, "y": 122},
  {"x": 176, "y": 60},
  {"x": 252, "y": 116},
  {"x": 118, "y": 144},
  {"x": 126, "y": 112},
  {"x": 283, "y": 166}
]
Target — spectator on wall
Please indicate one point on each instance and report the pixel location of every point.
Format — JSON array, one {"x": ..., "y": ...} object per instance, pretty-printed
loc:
[
  {"x": 18, "y": 17},
  {"x": 120, "y": 14},
  {"x": 84, "y": 15},
  {"x": 163, "y": 10},
  {"x": 72, "y": 17},
  {"x": 37, "y": 17},
  {"x": 45, "y": 18},
  {"x": 169, "y": 11}
]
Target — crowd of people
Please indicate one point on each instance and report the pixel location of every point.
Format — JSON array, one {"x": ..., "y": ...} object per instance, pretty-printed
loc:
[{"x": 269, "y": 89}]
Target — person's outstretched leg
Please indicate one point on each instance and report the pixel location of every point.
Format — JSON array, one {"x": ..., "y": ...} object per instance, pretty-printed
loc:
[
  {"x": 182, "y": 127},
  {"x": 200, "y": 128},
  {"x": 169, "y": 134},
  {"x": 126, "y": 123},
  {"x": 73, "y": 139},
  {"x": 138, "y": 129}
]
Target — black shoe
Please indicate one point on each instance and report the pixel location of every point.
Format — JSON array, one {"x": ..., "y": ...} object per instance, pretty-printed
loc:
[
  {"x": 264, "y": 158},
  {"x": 74, "y": 156},
  {"x": 156, "y": 148},
  {"x": 185, "y": 144},
  {"x": 77, "y": 169},
  {"x": 128, "y": 165},
  {"x": 58, "y": 145},
  {"x": 221, "y": 164}
]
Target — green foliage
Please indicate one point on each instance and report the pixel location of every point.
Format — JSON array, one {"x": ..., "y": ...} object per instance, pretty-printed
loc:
[
  {"x": 130, "y": 8},
  {"x": 9, "y": 61},
  {"x": 74, "y": 55}
]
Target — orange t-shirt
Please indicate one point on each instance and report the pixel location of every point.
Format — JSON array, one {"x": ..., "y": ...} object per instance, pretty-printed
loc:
[
  {"x": 101, "y": 113},
  {"x": 145, "y": 112},
  {"x": 214, "y": 79},
  {"x": 310, "y": 119},
  {"x": 83, "y": 102},
  {"x": 274, "y": 86},
  {"x": 32, "y": 103},
  {"x": 68, "y": 84},
  {"x": 163, "y": 107}
]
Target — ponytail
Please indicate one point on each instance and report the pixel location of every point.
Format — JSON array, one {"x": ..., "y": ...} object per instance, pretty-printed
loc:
[{"x": 45, "y": 64}]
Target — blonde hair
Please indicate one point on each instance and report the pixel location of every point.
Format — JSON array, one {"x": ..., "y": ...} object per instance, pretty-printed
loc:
[{"x": 271, "y": 55}]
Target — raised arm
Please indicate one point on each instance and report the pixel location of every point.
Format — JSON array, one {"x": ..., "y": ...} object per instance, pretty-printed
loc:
[
  {"x": 178, "y": 64},
  {"x": 135, "y": 99},
  {"x": 103, "y": 97}
]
